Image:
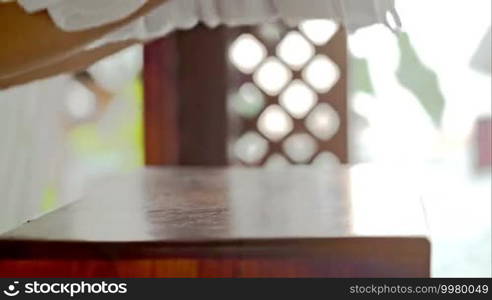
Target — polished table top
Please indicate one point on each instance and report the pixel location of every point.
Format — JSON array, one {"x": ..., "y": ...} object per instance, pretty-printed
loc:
[{"x": 179, "y": 207}]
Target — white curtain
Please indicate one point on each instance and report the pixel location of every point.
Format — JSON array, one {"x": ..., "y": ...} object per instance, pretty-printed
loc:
[
  {"x": 73, "y": 15},
  {"x": 31, "y": 146}
]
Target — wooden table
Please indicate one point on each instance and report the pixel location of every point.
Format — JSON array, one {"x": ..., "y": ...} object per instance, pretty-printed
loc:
[{"x": 237, "y": 222}]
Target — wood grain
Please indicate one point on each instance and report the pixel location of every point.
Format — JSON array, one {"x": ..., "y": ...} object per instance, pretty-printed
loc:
[
  {"x": 161, "y": 103},
  {"x": 203, "y": 97},
  {"x": 231, "y": 222},
  {"x": 185, "y": 99}
]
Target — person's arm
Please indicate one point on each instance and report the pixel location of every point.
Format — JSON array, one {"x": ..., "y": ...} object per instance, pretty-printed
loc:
[
  {"x": 32, "y": 41},
  {"x": 75, "y": 63}
]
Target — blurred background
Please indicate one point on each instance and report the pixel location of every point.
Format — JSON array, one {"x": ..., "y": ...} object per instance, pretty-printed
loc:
[{"x": 417, "y": 100}]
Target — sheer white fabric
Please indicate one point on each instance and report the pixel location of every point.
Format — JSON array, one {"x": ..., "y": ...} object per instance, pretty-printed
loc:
[
  {"x": 30, "y": 148},
  {"x": 73, "y": 15},
  {"x": 35, "y": 157},
  {"x": 481, "y": 60}
]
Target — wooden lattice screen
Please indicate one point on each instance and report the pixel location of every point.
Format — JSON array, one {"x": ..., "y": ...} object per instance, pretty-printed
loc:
[
  {"x": 288, "y": 93},
  {"x": 250, "y": 95}
]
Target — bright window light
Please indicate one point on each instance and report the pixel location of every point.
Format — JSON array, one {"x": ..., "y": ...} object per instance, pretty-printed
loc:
[
  {"x": 275, "y": 123},
  {"x": 295, "y": 50},
  {"x": 319, "y": 31},
  {"x": 246, "y": 53},
  {"x": 298, "y": 99},
  {"x": 272, "y": 76}
]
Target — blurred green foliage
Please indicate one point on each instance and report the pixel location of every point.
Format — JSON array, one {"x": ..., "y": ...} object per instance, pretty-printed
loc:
[
  {"x": 420, "y": 80},
  {"x": 124, "y": 145},
  {"x": 360, "y": 79}
]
